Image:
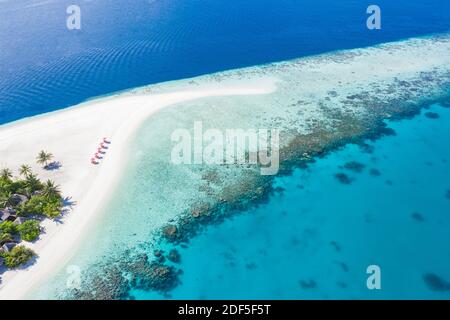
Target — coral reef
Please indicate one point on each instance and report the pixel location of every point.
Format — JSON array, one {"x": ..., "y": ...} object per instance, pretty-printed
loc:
[{"x": 343, "y": 178}]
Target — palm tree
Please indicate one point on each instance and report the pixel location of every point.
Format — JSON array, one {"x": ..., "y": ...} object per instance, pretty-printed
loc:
[
  {"x": 32, "y": 183},
  {"x": 6, "y": 174},
  {"x": 51, "y": 190},
  {"x": 25, "y": 170},
  {"x": 5, "y": 199},
  {"x": 44, "y": 157}
]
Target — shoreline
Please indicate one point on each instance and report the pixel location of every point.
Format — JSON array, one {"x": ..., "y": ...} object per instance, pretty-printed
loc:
[
  {"x": 71, "y": 135},
  {"x": 109, "y": 95}
]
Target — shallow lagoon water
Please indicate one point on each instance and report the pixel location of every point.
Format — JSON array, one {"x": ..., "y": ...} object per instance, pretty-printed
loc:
[{"x": 316, "y": 239}]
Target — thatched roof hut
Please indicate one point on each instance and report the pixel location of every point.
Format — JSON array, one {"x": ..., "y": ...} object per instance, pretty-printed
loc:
[
  {"x": 18, "y": 199},
  {"x": 7, "y": 214},
  {"x": 19, "y": 220},
  {"x": 4, "y": 215},
  {"x": 7, "y": 247}
]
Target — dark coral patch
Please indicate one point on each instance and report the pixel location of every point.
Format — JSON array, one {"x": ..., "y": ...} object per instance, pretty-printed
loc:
[
  {"x": 109, "y": 285},
  {"x": 375, "y": 172},
  {"x": 343, "y": 178},
  {"x": 436, "y": 283},
  {"x": 174, "y": 256},
  {"x": 156, "y": 277},
  {"x": 159, "y": 256},
  {"x": 251, "y": 266},
  {"x": 367, "y": 148},
  {"x": 387, "y": 131},
  {"x": 418, "y": 217},
  {"x": 431, "y": 115},
  {"x": 279, "y": 190},
  {"x": 170, "y": 232},
  {"x": 307, "y": 284},
  {"x": 354, "y": 166},
  {"x": 335, "y": 245},
  {"x": 158, "y": 253},
  {"x": 118, "y": 278},
  {"x": 344, "y": 266}
]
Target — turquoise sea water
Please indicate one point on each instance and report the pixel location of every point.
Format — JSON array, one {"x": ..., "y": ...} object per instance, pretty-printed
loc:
[{"x": 324, "y": 232}]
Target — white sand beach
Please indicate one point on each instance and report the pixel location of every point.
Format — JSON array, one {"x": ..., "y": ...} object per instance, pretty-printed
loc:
[{"x": 72, "y": 136}]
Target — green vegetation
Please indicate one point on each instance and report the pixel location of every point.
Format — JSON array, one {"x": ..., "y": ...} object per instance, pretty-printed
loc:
[
  {"x": 29, "y": 230},
  {"x": 6, "y": 174},
  {"x": 25, "y": 170},
  {"x": 8, "y": 227},
  {"x": 41, "y": 205},
  {"x": 41, "y": 199},
  {"x": 17, "y": 256},
  {"x": 44, "y": 158},
  {"x": 7, "y": 232},
  {"x": 22, "y": 200}
]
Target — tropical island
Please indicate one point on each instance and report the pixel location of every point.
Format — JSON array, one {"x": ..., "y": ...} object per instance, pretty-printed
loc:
[{"x": 25, "y": 201}]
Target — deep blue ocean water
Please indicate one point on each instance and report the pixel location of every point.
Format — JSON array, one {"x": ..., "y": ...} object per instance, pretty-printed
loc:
[{"x": 124, "y": 44}]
